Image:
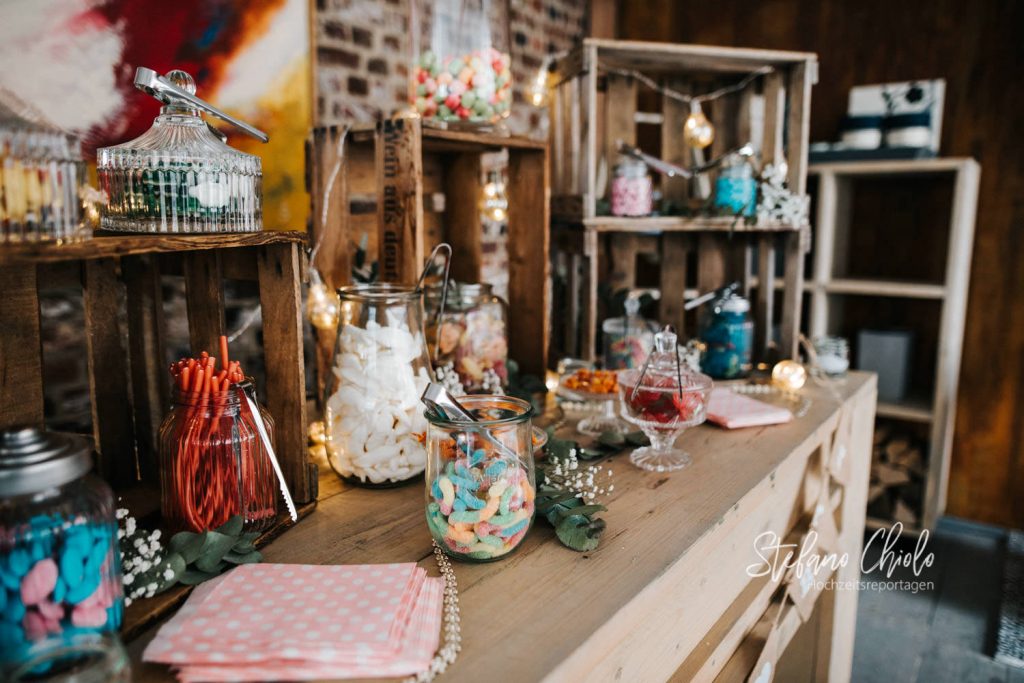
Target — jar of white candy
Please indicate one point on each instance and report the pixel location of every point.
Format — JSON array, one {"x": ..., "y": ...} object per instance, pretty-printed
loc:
[{"x": 375, "y": 429}]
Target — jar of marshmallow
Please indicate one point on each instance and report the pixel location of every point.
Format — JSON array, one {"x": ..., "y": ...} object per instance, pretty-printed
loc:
[{"x": 375, "y": 429}]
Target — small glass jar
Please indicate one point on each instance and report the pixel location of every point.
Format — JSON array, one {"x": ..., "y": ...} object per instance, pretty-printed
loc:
[
  {"x": 471, "y": 342},
  {"x": 80, "y": 658},
  {"x": 833, "y": 355},
  {"x": 480, "y": 478},
  {"x": 461, "y": 70},
  {"x": 632, "y": 189},
  {"x": 60, "y": 567},
  {"x": 736, "y": 188},
  {"x": 213, "y": 463},
  {"x": 728, "y": 336},
  {"x": 375, "y": 429},
  {"x": 628, "y": 339}
]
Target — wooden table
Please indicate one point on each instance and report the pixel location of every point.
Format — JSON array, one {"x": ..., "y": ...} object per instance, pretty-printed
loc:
[{"x": 667, "y": 594}]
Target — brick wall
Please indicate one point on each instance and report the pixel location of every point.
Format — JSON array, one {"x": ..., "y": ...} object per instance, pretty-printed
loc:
[{"x": 363, "y": 48}]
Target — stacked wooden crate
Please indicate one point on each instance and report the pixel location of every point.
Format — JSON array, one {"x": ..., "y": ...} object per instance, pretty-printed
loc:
[{"x": 592, "y": 109}]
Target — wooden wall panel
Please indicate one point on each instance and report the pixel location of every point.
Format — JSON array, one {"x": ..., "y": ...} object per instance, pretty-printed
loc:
[{"x": 976, "y": 47}]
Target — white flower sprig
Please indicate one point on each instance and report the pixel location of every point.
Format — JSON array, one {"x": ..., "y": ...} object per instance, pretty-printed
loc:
[
  {"x": 140, "y": 555},
  {"x": 587, "y": 483},
  {"x": 449, "y": 379}
]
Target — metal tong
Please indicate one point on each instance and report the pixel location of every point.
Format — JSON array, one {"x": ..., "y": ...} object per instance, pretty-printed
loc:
[{"x": 440, "y": 402}]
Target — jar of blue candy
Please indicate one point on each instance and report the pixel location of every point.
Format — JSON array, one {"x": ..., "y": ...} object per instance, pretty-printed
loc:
[
  {"x": 60, "y": 568},
  {"x": 736, "y": 188},
  {"x": 728, "y": 337}
]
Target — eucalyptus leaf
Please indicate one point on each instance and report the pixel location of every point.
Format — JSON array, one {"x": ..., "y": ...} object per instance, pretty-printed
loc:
[
  {"x": 574, "y": 530},
  {"x": 612, "y": 439},
  {"x": 176, "y": 564},
  {"x": 637, "y": 439},
  {"x": 243, "y": 558},
  {"x": 232, "y": 527},
  {"x": 591, "y": 453},
  {"x": 243, "y": 547},
  {"x": 250, "y": 536},
  {"x": 588, "y": 510},
  {"x": 216, "y": 546},
  {"x": 194, "y": 577},
  {"x": 187, "y": 544},
  {"x": 558, "y": 449}
]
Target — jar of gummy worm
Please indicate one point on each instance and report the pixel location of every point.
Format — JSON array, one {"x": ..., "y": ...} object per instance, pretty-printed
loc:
[
  {"x": 480, "y": 478},
  {"x": 60, "y": 568}
]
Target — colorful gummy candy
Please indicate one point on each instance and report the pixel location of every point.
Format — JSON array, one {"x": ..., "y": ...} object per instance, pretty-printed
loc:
[
  {"x": 481, "y": 505},
  {"x": 58, "y": 578},
  {"x": 476, "y": 87}
]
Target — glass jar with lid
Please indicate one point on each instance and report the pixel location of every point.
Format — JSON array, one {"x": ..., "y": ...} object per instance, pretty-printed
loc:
[
  {"x": 375, "y": 430},
  {"x": 728, "y": 337},
  {"x": 60, "y": 567},
  {"x": 632, "y": 188},
  {"x": 469, "y": 343},
  {"x": 180, "y": 176},
  {"x": 736, "y": 187},
  {"x": 480, "y": 478},
  {"x": 461, "y": 69}
]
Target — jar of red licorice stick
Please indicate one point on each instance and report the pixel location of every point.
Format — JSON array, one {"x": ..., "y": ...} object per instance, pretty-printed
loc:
[{"x": 213, "y": 461}]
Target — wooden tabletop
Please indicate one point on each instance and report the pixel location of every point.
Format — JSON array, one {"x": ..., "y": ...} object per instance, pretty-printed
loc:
[{"x": 546, "y": 612}]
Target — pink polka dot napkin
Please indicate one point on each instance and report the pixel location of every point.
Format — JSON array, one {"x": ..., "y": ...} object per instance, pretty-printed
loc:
[
  {"x": 264, "y": 622},
  {"x": 728, "y": 409}
]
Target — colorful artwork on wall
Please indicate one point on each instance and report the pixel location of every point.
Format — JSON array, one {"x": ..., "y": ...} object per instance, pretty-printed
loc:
[{"x": 75, "y": 61}]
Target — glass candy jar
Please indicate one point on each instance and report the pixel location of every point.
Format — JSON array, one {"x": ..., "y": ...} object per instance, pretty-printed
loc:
[
  {"x": 632, "y": 189},
  {"x": 461, "y": 71},
  {"x": 60, "y": 568},
  {"x": 663, "y": 398},
  {"x": 736, "y": 188},
  {"x": 833, "y": 355},
  {"x": 213, "y": 463},
  {"x": 728, "y": 336},
  {"x": 470, "y": 344},
  {"x": 480, "y": 478},
  {"x": 180, "y": 177},
  {"x": 375, "y": 428}
]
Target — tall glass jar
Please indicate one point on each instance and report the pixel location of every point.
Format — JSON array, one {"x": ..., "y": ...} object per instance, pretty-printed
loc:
[
  {"x": 471, "y": 343},
  {"x": 632, "y": 188},
  {"x": 461, "y": 68},
  {"x": 375, "y": 429},
  {"x": 213, "y": 464},
  {"x": 480, "y": 478},
  {"x": 60, "y": 569},
  {"x": 728, "y": 336}
]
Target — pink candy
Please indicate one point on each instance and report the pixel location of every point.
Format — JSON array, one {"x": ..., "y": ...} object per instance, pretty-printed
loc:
[
  {"x": 37, "y": 626},
  {"x": 39, "y": 582}
]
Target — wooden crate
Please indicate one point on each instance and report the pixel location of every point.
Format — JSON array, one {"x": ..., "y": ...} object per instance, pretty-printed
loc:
[
  {"x": 129, "y": 387},
  {"x": 592, "y": 109},
  {"x": 411, "y": 186}
]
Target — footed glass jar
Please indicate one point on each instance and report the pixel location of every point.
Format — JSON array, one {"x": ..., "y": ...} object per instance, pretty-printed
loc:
[
  {"x": 213, "y": 464},
  {"x": 60, "y": 568},
  {"x": 461, "y": 71},
  {"x": 470, "y": 343},
  {"x": 375, "y": 429},
  {"x": 481, "y": 479}
]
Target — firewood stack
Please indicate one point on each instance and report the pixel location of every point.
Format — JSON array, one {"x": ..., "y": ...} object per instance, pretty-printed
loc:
[{"x": 897, "y": 477}]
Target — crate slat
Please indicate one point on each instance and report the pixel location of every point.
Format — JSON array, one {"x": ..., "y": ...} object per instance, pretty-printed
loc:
[
  {"x": 462, "y": 191},
  {"x": 21, "y": 372},
  {"x": 399, "y": 164},
  {"x": 204, "y": 298}
]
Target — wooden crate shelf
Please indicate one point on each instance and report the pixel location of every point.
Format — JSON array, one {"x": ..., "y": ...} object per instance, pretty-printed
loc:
[
  {"x": 409, "y": 186},
  {"x": 129, "y": 383},
  {"x": 592, "y": 108}
]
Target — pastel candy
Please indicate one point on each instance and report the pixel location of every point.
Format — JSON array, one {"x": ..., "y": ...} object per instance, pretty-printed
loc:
[
  {"x": 464, "y": 536},
  {"x": 91, "y": 617},
  {"x": 513, "y": 529},
  {"x": 505, "y": 498},
  {"x": 477, "y": 457},
  {"x": 493, "y": 541},
  {"x": 459, "y": 505},
  {"x": 471, "y": 501},
  {"x": 464, "y": 516},
  {"x": 39, "y": 582}
]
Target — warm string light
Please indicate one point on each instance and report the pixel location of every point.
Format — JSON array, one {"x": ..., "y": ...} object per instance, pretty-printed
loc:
[
  {"x": 789, "y": 375},
  {"x": 698, "y": 131},
  {"x": 323, "y": 308},
  {"x": 494, "y": 203},
  {"x": 537, "y": 90}
]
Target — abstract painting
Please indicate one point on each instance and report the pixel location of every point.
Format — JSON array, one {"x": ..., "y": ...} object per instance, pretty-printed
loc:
[{"x": 75, "y": 61}]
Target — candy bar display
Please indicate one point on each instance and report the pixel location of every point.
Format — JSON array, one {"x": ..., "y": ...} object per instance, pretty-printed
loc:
[
  {"x": 60, "y": 571},
  {"x": 375, "y": 427},
  {"x": 470, "y": 340},
  {"x": 663, "y": 398},
  {"x": 213, "y": 462},
  {"x": 480, "y": 478},
  {"x": 41, "y": 172},
  {"x": 179, "y": 176},
  {"x": 463, "y": 73}
]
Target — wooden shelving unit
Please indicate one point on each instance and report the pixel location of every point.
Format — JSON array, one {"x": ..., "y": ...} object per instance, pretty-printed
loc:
[
  {"x": 411, "y": 186},
  {"x": 829, "y": 287},
  {"x": 593, "y": 108}
]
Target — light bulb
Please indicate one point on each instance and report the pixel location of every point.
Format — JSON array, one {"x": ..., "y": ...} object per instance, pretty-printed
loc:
[
  {"x": 322, "y": 306},
  {"x": 698, "y": 131},
  {"x": 789, "y": 375},
  {"x": 537, "y": 90},
  {"x": 494, "y": 204}
]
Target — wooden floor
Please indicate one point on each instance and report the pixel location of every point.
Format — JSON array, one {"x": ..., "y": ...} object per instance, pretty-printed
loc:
[{"x": 938, "y": 635}]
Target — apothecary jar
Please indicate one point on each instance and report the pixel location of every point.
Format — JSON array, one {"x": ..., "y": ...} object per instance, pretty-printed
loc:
[
  {"x": 374, "y": 424},
  {"x": 480, "y": 478},
  {"x": 460, "y": 68},
  {"x": 469, "y": 341},
  {"x": 60, "y": 569}
]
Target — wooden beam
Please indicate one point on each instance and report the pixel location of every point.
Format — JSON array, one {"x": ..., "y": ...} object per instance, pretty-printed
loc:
[
  {"x": 462, "y": 193},
  {"x": 204, "y": 297},
  {"x": 400, "y": 199},
  {"x": 765, "y": 304},
  {"x": 799, "y": 124},
  {"x": 674, "y": 251},
  {"x": 21, "y": 351},
  {"x": 792, "y": 295}
]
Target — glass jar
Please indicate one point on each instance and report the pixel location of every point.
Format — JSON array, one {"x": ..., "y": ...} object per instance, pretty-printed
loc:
[
  {"x": 480, "y": 478},
  {"x": 375, "y": 429},
  {"x": 728, "y": 336},
  {"x": 632, "y": 189},
  {"x": 628, "y": 339},
  {"x": 736, "y": 188},
  {"x": 833, "y": 355},
  {"x": 461, "y": 70},
  {"x": 179, "y": 177},
  {"x": 471, "y": 342},
  {"x": 60, "y": 567},
  {"x": 213, "y": 463},
  {"x": 81, "y": 658}
]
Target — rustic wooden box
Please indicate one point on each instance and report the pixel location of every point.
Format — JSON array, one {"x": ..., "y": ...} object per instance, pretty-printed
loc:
[
  {"x": 591, "y": 110},
  {"x": 129, "y": 387},
  {"x": 408, "y": 187}
]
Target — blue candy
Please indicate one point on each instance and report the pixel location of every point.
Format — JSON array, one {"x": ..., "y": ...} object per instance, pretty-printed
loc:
[
  {"x": 72, "y": 565},
  {"x": 60, "y": 590},
  {"x": 477, "y": 457},
  {"x": 18, "y": 562},
  {"x": 514, "y": 529},
  {"x": 435, "y": 490},
  {"x": 462, "y": 482},
  {"x": 15, "y": 609},
  {"x": 88, "y": 586},
  {"x": 459, "y": 505},
  {"x": 471, "y": 501},
  {"x": 495, "y": 469}
]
